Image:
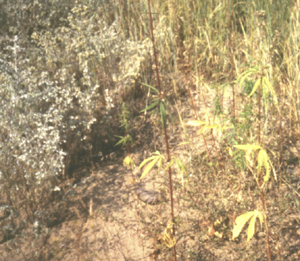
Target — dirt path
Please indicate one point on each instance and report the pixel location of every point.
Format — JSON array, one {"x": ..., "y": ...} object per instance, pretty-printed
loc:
[{"x": 113, "y": 231}]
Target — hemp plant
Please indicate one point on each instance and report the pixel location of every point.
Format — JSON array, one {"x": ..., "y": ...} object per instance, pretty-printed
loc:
[
  {"x": 162, "y": 106},
  {"x": 264, "y": 165},
  {"x": 161, "y": 103},
  {"x": 263, "y": 85},
  {"x": 127, "y": 139}
]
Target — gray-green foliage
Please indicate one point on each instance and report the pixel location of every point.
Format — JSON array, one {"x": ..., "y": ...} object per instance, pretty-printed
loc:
[
  {"x": 30, "y": 140},
  {"x": 59, "y": 63}
]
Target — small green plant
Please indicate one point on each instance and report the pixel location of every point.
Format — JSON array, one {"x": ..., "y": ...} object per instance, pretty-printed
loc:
[
  {"x": 124, "y": 140},
  {"x": 127, "y": 139},
  {"x": 162, "y": 105},
  {"x": 262, "y": 83}
]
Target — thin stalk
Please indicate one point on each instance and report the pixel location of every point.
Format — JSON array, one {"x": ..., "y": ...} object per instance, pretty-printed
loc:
[
  {"x": 231, "y": 61},
  {"x": 259, "y": 101},
  {"x": 165, "y": 129},
  {"x": 262, "y": 196},
  {"x": 280, "y": 174}
]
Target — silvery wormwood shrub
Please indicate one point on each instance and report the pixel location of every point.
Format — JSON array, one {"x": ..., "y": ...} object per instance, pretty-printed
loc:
[
  {"x": 31, "y": 155},
  {"x": 49, "y": 96}
]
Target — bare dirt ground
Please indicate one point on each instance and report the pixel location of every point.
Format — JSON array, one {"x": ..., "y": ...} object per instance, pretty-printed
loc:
[
  {"x": 124, "y": 228},
  {"x": 101, "y": 217}
]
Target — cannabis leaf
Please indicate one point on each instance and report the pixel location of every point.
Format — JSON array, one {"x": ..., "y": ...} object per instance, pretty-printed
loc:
[
  {"x": 243, "y": 219},
  {"x": 156, "y": 158},
  {"x": 262, "y": 159},
  {"x": 181, "y": 166},
  {"x": 263, "y": 81},
  {"x": 128, "y": 162}
]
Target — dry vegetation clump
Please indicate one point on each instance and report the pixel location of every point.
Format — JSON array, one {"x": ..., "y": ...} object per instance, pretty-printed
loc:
[{"x": 161, "y": 130}]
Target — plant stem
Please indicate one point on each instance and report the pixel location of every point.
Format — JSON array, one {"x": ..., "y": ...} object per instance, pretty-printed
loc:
[
  {"x": 267, "y": 227},
  {"x": 164, "y": 126},
  {"x": 231, "y": 60},
  {"x": 262, "y": 197}
]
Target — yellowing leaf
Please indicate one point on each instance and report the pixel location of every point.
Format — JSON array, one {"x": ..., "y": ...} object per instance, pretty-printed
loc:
[
  {"x": 230, "y": 151},
  {"x": 145, "y": 161},
  {"x": 240, "y": 223},
  {"x": 263, "y": 160},
  {"x": 196, "y": 123},
  {"x": 243, "y": 219},
  {"x": 244, "y": 75},
  {"x": 169, "y": 164},
  {"x": 152, "y": 160},
  {"x": 149, "y": 167},
  {"x": 128, "y": 161},
  {"x": 183, "y": 143},
  {"x": 260, "y": 217},
  {"x": 247, "y": 147},
  {"x": 256, "y": 85},
  {"x": 251, "y": 228},
  {"x": 159, "y": 164},
  {"x": 219, "y": 235}
]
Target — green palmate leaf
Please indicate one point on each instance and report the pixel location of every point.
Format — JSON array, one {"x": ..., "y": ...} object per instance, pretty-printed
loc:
[
  {"x": 129, "y": 138},
  {"x": 152, "y": 105},
  {"x": 151, "y": 87},
  {"x": 162, "y": 114},
  {"x": 122, "y": 140}
]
